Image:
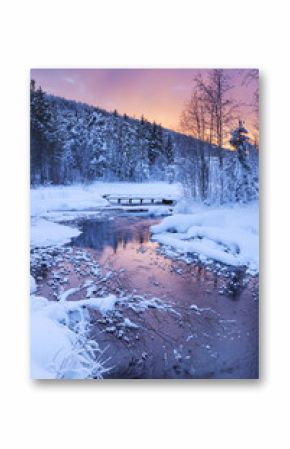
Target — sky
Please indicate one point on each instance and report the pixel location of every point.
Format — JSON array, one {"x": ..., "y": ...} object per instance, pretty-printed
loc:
[{"x": 157, "y": 94}]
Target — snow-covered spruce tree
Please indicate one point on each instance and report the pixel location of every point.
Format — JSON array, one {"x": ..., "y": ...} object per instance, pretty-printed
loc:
[
  {"x": 40, "y": 129},
  {"x": 141, "y": 168},
  {"x": 97, "y": 144},
  {"x": 155, "y": 149},
  {"x": 80, "y": 148},
  {"x": 158, "y": 148},
  {"x": 110, "y": 172},
  {"x": 67, "y": 120},
  {"x": 246, "y": 177},
  {"x": 154, "y": 142},
  {"x": 126, "y": 147},
  {"x": 169, "y": 154},
  {"x": 55, "y": 150},
  {"x": 169, "y": 150}
]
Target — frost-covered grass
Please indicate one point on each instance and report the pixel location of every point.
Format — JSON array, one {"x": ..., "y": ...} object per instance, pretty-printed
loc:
[
  {"x": 60, "y": 343},
  {"x": 228, "y": 234},
  {"x": 60, "y": 346}
]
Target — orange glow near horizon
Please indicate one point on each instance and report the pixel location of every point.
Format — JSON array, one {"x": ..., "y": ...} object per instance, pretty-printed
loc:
[{"x": 157, "y": 94}]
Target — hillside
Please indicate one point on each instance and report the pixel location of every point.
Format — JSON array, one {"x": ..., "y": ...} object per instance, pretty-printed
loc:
[{"x": 74, "y": 142}]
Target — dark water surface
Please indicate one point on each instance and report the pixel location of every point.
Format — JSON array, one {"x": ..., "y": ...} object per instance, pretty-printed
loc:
[
  {"x": 211, "y": 334},
  {"x": 114, "y": 232}
]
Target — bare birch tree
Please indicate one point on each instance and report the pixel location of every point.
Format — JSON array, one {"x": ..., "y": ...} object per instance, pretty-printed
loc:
[
  {"x": 252, "y": 77},
  {"x": 209, "y": 115}
]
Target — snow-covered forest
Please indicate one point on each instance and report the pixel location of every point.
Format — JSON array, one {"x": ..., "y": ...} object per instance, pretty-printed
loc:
[{"x": 74, "y": 142}]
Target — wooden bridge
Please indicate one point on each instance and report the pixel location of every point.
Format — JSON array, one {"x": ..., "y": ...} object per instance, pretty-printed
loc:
[{"x": 140, "y": 200}]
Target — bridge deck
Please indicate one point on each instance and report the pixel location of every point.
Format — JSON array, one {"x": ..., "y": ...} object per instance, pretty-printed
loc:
[{"x": 137, "y": 200}]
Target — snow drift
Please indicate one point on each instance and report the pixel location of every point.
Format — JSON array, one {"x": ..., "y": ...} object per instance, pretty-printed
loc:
[
  {"x": 228, "y": 234},
  {"x": 46, "y": 233}
]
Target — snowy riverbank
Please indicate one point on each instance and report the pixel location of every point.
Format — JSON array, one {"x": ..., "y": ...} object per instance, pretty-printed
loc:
[
  {"x": 60, "y": 346},
  {"x": 52, "y": 204},
  {"x": 228, "y": 234},
  {"x": 81, "y": 197}
]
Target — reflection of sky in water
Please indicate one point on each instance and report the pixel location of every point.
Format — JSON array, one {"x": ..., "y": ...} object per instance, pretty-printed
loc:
[
  {"x": 115, "y": 234},
  {"x": 124, "y": 242}
]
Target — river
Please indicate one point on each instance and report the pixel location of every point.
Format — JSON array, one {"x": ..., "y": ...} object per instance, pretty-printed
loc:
[{"x": 208, "y": 328}]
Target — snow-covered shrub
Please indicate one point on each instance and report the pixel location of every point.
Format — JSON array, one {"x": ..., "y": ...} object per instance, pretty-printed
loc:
[{"x": 60, "y": 343}]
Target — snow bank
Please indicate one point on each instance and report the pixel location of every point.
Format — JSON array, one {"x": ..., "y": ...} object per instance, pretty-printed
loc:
[
  {"x": 46, "y": 233},
  {"x": 59, "y": 347},
  {"x": 226, "y": 234},
  {"x": 32, "y": 285},
  {"x": 51, "y": 342},
  {"x": 85, "y": 197}
]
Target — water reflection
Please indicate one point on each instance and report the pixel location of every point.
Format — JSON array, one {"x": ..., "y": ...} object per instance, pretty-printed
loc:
[
  {"x": 116, "y": 233},
  {"x": 221, "y": 341},
  {"x": 129, "y": 238}
]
